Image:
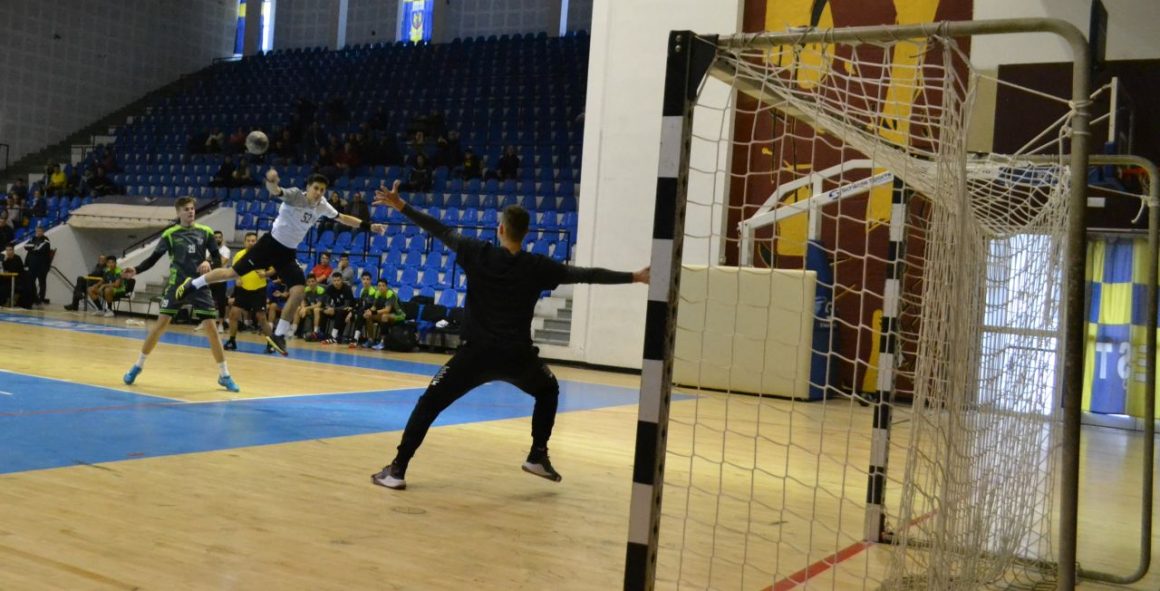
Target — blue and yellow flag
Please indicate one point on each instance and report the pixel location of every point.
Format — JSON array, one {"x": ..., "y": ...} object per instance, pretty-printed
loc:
[{"x": 1114, "y": 350}]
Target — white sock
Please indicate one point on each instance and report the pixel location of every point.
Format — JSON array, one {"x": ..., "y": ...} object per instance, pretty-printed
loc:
[
  {"x": 334, "y": 333},
  {"x": 283, "y": 327},
  {"x": 199, "y": 282},
  {"x": 294, "y": 329},
  {"x": 356, "y": 334},
  {"x": 141, "y": 360},
  {"x": 223, "y": 371}
]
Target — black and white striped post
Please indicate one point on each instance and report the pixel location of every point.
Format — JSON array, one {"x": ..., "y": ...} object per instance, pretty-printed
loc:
[
  {"x": 888, "y": 353},
  {"x": 688, "y": 59}
]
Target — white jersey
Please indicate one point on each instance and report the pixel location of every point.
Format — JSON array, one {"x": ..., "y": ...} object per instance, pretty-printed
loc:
[
  {"x": 296, "y": 216},
  {"x": 224, "y": 251}
]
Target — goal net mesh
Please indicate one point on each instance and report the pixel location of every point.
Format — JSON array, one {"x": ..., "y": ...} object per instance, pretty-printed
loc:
[{"x": 866, "y": 391}]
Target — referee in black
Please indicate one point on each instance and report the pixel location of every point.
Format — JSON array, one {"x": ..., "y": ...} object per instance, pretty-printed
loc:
[{"x": 503, "y": 284}]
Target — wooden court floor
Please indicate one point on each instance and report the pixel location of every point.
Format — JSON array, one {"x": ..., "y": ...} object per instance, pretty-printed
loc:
[{"x": 173, "y": 483}]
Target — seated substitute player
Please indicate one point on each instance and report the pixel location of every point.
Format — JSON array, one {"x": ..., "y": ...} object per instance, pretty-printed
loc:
[
  {"x": 249, "y": 298},
  {"x": 275, "y": 298},
  {"x": 109, "y": 288},
  {"x": 360, "y": 315},
  {"x": 314, "y": 296},
  {"x": 297, "y": 213},
  {"x": 503, "y": 284},
  {"x": 386, "y": 311},
  {"x": 190, "y": 248},
  {"x": 337, "y": 309}
]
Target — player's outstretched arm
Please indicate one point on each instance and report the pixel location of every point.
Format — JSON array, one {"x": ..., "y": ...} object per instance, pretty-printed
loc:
[
  {"x": 603, "y": 276},
  {"x": 272, "y": 183},
  {"x": 390, "y": 198},
  {"x": 353, "y": 222}
]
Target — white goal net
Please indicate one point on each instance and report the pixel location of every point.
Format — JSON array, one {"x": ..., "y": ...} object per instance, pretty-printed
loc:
[{"x": 866, "y": 360}]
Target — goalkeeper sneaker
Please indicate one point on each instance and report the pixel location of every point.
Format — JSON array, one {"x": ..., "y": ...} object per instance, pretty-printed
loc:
[
  {"x": 538, "y": 464},
  {"x": 391, "y": 476},
  {"x": 228, "y": 383},
  {"x": 131, "y": 375},
  {"x": 278, "y": 343},
  {"x": 184, "y": 287}
]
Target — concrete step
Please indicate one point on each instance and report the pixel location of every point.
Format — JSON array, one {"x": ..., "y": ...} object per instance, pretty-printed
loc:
[
  {"x": 565, "y": 313},
  {"x": 553, "y": 336},
  {"x": 558, "y": 324},
  {"x": 550, "y": 339}
]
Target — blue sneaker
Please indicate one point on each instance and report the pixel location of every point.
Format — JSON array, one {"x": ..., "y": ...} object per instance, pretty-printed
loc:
[
  {"x": 132, "y": 374},
  {"x": 228, "y": 383}
]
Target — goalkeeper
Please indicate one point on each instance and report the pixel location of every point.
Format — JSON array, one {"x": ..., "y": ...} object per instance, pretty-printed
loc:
[{"x": 503, "y": 284}]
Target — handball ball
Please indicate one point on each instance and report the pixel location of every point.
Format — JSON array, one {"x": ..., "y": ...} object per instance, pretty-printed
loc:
[{"x": 257, "y": 142}]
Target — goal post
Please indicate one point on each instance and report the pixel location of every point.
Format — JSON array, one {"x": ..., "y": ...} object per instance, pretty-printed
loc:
[{"x": 719, "y": 439}]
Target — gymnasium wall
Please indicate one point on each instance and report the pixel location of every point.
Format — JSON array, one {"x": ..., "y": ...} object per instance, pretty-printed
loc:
[
  {"x": 1131, "y": 36},
  {"x": 66, "y": 63},
  {"x": 371, "y": 21},
  {"x": 307, "y": 23},
  {"x": 471, "y": 18}
]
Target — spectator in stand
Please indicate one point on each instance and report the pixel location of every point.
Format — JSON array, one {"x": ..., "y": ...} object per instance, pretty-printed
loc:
[
  {"x": 84, "y": 282},
  {"x": 509, "y": 164},
  {"x": 347, "y": 160},
  {"x": 285, "y": 148},
  {"x": 19, "y": 189},
  {"x": 57, "y": 181},
  {"x": 339, "y": 205},
  {"x": 236, "y": 144},
  {"x": 448, "y": 151},
  {"x": 312, "y": 301},
  {"x": 322, "y": 270},
  {"x": 325, "y": 164},
  {"x": 224, "y": 177},
  {"x": 109, "y": 160},
  {"x": 215, "y": 141},
  {"x": 339, "y": 305},
  {"x": 471, "y": 168},
  {"x": 7, "y": 232},
  {"x": 242, "y": 177},
  {"x": 378, "y": 120},
  {"x": 38, "y": 261},
  {"x": 359, "y": 207},
  {"x": 345, "y": 269},
  {"x": 16, "y": 285},
  {"x": 100, "y": 184},
  {"x": 39, "y": 205},
  {"x": 419, "y": 177},
  {"x": 417, "y": 148}
]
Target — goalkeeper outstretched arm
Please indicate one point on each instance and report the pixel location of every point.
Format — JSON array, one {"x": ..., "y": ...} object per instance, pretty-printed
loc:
[{"x": 390, "y": 198}]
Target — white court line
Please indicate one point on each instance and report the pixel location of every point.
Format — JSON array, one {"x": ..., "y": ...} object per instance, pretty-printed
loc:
[
  {"x": 3, "y": 393},
  {"x": 29, "y": 375}
]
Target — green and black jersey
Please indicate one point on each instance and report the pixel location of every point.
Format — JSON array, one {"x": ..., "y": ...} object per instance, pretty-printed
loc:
[{"x": 187, "y": 247}]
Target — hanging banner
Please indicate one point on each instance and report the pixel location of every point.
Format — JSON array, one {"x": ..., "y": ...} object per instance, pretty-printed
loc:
[{"x": 1114, "y": 374}]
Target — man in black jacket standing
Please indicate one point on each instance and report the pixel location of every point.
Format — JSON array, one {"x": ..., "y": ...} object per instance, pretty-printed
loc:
[
  {"x": 39, "y": 260},
  {"x": 503, "y": 284}
]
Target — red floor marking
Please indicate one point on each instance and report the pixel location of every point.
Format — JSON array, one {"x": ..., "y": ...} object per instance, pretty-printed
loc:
[{"x": 830, "y": 561}]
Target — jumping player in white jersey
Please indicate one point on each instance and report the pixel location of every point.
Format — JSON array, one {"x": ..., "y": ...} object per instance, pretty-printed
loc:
[{"x": 298, "y": 212}]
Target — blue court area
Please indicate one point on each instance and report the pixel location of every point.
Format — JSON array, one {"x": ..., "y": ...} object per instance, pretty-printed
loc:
[{"x": 48, "y": 423}]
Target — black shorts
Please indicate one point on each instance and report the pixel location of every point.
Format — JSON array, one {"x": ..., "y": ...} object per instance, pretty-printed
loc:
[
  {"x": 250, "y": 300},
  {"x": 201, "y": 299},
  {"x": 271, "y": 253}
]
